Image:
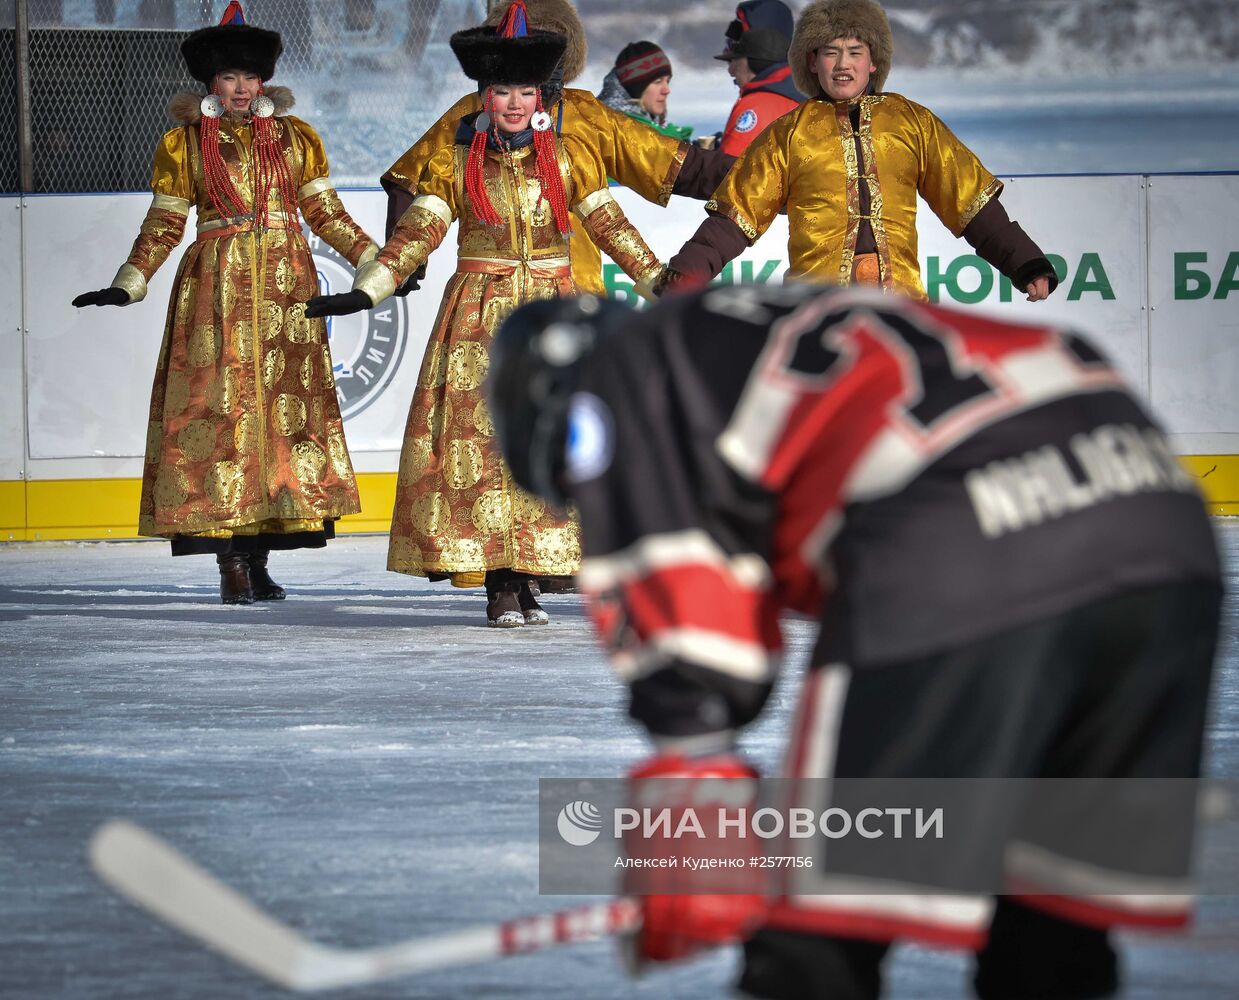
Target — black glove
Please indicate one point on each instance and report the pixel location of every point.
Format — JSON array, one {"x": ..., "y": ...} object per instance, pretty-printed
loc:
[
  {"x": 103, "y": 297},
  {"x": 338, "y": 305},
  {"x": 412, "y": 283}
]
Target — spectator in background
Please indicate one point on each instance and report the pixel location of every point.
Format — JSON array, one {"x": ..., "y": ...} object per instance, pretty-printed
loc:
[
  {"x": 638, "y": 85},
  {"x": 756, "y": 57}
]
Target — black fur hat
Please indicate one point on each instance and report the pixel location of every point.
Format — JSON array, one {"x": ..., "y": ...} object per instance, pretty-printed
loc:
[
  {"x": 231, "y": 46},
  {"x": 488, "y": 57}
]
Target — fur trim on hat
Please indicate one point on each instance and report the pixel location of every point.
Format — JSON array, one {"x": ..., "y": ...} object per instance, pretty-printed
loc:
[
  {"x": 207, "y": 51},
  {"x": 558, "y": 16},
  {"x": 822, "y": 22},
  {"x": 486, "y": 57},
  {"x": 185, "y": 108}
]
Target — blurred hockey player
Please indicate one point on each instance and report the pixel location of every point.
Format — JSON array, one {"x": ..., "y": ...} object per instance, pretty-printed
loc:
[{"x": 1012, "y": 574}]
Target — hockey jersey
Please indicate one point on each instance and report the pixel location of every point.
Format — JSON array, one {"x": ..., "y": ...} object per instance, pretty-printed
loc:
[{"x": 913, "y": 477}]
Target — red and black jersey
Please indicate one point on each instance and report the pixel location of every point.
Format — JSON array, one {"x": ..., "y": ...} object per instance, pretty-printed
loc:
[{"x": 912, "y": 476}]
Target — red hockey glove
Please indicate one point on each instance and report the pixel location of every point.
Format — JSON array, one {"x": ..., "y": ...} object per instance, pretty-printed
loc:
[{"x": 696, "y": 892}]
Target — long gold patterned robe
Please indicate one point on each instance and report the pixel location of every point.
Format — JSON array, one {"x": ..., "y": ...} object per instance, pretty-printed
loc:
[
  {"x": 806, "y": 162},
  {"x": 636, "y": 156},
  {"x": 245, "y": 435},
  {"x": 457, "y": 511}
]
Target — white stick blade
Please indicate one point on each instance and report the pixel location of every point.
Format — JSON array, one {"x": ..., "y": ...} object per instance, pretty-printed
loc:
[{"x": 152, "y": 874}]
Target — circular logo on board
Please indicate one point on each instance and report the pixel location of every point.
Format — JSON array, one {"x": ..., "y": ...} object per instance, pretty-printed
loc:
[
  {"x": 366, "y": 347},
  {"x": 747, "y": 121}
]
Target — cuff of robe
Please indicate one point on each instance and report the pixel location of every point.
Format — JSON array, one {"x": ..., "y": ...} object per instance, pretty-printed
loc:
[
  {"x": 131, "y": 281},
  {"x": 317, "y": 186},
  {"x": 648, "y": 282},
  {"x": 375, "y": 279}
]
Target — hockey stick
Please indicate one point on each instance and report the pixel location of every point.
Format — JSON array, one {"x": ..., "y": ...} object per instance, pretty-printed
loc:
[{"x": 151, "y": 873}]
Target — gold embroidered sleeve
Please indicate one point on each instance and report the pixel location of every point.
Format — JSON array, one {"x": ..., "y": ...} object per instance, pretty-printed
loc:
[
  {"x": 160, "y": 234},
  {"x": 330, "y": 221},
  {"x": 407, "y": 171},
  {"x": 420, "y": 230},
  {"x": 618, "y": 238},
  {"x": 326, "y": 215},
  {"x": 418, "y": 233},
  {"x": 755, "y": 190},
  {"x": 953, "y": 182},
  {"x": 635, "y": 155},
  {"x": 172, "y": 172},
  {"x": 310, "y": 150}
]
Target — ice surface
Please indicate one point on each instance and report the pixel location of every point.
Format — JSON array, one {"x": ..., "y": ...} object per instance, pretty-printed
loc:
[{"x": 362, "y": 760}]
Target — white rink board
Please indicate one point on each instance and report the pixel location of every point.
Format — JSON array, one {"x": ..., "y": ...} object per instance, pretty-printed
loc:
[
  {"x": 12, "y": 404},
  {"x": 1195, "y": 340},
  {"x": 1095, "y": 227},
  {"x": 88, "y": 372}
]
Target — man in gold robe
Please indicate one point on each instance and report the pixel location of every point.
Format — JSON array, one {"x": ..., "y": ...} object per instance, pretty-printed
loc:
[
  {"x": 655, "y": 166},
  {"x": 847, "y": 167}
]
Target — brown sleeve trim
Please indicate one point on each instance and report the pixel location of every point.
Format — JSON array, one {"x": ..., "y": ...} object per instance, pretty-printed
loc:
[
  {"x": 992, "y": 191},
  {"x": 398, "y": 202},
  {"x": 1003, "y": 243},
  {"x": 704, "y": 170},
  {"x": 739, "y": 221},
  {"x": 667, "y": 188},
  {"x": 716, "y": 241}
]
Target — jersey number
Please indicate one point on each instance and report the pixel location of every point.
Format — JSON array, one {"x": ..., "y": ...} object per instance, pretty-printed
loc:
[{"x": 942, "y": 387}]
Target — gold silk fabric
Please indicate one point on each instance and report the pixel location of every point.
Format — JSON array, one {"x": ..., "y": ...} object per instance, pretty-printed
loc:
[
  {"x": 244, "y": 434},
  {"x": 806, "y": 162},
  {"x": 634, "y": 154},
  {"x": 457, "y": 510}
]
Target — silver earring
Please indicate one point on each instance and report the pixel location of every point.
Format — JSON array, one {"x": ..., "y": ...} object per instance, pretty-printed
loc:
[
  {"x": 482, "y": 122},
  {"x": 212, "y": 106},
  {"x": 262, "y": 106},
  {"x": 540, "y": 121}
]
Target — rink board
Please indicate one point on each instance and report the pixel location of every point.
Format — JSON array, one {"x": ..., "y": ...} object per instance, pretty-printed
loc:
[{"x": 1149, "y": 266}]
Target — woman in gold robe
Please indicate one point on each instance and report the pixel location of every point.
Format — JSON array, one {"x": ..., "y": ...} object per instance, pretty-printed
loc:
[
  {"x": 510, "y": 182},
  {"x": 245, "y": 443}
]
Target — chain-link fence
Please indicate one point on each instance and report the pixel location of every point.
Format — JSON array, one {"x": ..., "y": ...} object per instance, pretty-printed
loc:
[
  {"x": 370, "y": 75},
  {"x": 9, "y": 171}
]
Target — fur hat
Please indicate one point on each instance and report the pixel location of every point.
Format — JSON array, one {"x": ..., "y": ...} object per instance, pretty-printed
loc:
[
  {"x": 208, "y": 51},
  {"x": 558, "y": 16},
  {"x": 822, "y": 22},
  {"x": 488, "y": 57}
]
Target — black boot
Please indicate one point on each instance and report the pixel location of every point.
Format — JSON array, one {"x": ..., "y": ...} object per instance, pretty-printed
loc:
[
  {"x": 528, "y": 600},
  {"x": 503, "y": 608},
  {"x": 234, "y": 579},
  {"x": 265, "y": 589}
]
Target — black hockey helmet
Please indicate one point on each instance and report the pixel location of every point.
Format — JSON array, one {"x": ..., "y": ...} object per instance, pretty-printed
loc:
[{"x": 536, "y": 361}]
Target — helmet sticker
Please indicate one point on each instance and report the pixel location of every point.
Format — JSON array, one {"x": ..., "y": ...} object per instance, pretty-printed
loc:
[{"x": 591, "y": 438}]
